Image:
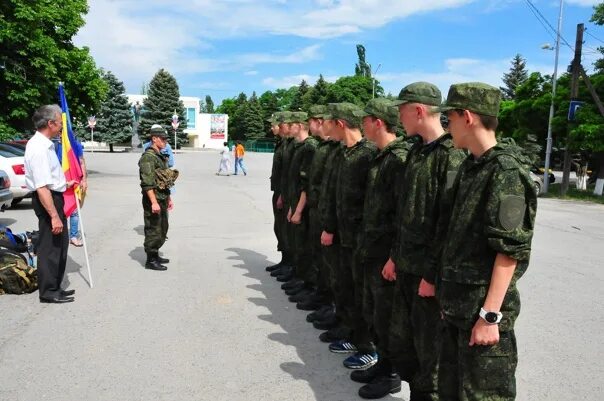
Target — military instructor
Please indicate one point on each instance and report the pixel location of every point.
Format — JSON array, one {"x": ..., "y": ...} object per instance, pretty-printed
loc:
[{"x": 156, "y": 179}]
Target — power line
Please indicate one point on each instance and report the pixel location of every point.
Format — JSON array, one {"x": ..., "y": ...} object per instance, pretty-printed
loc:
[
  {"x": 542, "y": 20},
  {"x": 598, "y": 39}
]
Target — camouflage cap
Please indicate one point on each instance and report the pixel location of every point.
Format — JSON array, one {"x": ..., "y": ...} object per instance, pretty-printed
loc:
[
  {"x": 420, "y": 92},
  {"x": 473, "y": 96},
  {"x": 348, "y": 112},
  {"x": 285, "y": 117},
  {"x": 317, "y": 111},
  {"x": 381, "y": 108},
  {"x": 157, "y": 130},
  {"x": 298, "y": 117},
  {"x": 274, "y": 118}
]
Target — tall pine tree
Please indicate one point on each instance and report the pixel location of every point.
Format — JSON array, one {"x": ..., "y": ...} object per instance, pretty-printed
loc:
[
  {"x": 163, "y": 99},
  {"x": 114, "y": 121},
  {"x": 318, "y": 94},
  {"x": 236, "y": 120},
  {"x": 513, "y": 79},
  {"x": 298, "y": 103},
  {"x": 268, "y": 105},
  {"x": 209, "y": 104},
  {"x": 252, "y": 119}
]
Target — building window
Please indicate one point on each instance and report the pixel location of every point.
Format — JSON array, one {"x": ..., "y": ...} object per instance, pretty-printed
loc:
[{"x": 191, "y": 117}]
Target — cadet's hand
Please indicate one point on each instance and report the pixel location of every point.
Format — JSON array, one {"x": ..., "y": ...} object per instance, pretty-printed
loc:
[
  {"x": 57, "y": 225},
  {"x": 326, "y": 239},
  {"x": 389, "y": 271},
  {"x": 289, "y": 215},
  {"x": 296, "y": 218},
  {"x": 71, "y": 183},
  {"x": 426, "y": 289},
  {"x": 484, "y": 333},
  {"x": 155, "y": 208},
  {"x": 84, "y": 185},
  {"x": 170, "y": 204},
  {"x": 279, "y": 202}
]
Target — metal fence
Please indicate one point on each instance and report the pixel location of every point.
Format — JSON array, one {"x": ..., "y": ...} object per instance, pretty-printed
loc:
[{"x": 259, "y": 146}]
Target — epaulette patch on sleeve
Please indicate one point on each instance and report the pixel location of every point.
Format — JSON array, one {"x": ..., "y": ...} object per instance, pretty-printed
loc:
[{"x": 511, "y": 212}]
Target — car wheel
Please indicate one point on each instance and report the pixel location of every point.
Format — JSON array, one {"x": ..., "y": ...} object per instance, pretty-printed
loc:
[
  {"x": 16, "y": 201},
  {"x": 537, "y": 187}
]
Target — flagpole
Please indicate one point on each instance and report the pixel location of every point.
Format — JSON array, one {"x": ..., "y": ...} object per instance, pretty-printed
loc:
[{"x": 81, "y": 221}]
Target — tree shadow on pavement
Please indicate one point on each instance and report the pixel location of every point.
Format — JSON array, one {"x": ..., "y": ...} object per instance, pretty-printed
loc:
[{"x": 322, "y": 370}]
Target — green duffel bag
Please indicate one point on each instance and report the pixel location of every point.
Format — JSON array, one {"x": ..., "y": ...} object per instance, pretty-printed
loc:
[{"x": 16, "y": 276}]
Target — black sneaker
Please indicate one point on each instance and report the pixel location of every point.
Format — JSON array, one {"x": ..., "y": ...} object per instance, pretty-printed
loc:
[{"x": 380, "y": 387}]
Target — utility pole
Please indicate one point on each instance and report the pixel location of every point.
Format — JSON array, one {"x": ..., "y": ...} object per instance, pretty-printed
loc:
[{"x": 574, "y": 94}]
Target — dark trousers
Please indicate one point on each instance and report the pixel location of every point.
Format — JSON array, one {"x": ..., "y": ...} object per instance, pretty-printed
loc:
[
  {"x": 52, "y": 249},
  {"x": 156, "y": 225},
  {"x": 277, "y": 214},
  {"x": 479, "y": 372}
]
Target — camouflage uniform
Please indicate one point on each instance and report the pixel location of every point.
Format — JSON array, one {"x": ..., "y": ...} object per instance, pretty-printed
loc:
[
  {"x": 317, "y": 274},
  {"x": 156, "y": 224},
  {"x": 351, "y": 183},
  {"x": 493, "y": 211},
  {"x": 298, "y": 172},
  {"x": 287, "y": 152}
]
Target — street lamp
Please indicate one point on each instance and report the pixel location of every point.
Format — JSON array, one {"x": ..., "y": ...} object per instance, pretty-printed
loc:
[
  {"x": 548, "y": 149},
  {"x": 373, "y": 78},
  {"x": 175, "y": 125},
  {"x": 91, "y": 124}
]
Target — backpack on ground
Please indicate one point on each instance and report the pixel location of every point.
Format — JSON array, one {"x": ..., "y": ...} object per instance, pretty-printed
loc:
[{"x": 16, "y": 275}]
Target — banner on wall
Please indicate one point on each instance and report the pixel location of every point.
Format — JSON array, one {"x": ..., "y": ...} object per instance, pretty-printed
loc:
[{"x": 217, "y": 126}]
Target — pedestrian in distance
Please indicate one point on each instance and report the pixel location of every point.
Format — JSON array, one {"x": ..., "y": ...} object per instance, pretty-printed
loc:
[
  {"x": 225, "y": 160},
  {"x": 239, "y": 153}
]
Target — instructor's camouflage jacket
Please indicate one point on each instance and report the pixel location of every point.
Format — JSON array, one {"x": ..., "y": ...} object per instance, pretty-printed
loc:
[{"x": 149, "y": 162}]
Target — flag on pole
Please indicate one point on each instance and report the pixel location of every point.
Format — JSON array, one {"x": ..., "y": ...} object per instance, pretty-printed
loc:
[{"x": 70, "y": 160}]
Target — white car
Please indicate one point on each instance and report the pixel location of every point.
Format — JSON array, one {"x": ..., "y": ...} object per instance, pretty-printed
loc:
[
  {"x": 12, "y": 162},
  {"x": 6, "y": 196}
]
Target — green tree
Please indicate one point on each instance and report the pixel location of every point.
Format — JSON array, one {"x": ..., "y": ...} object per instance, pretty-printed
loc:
[
  {"x": 514, "y": 78},
  {"x": 598, "y": 19},
  {"x": 228, "y": 106},
  {"x": 318, "y": 94},
  {"x": 237, "y": 118},
  {"x": 162, "y": 102},
  {"x": 354, "y": 89},
  {"x": 114, "y": 121},
  {"x": 268, "y": 106},
  {"x": 362, "y": 69},
  {"x": 36, "y": 53},
  {"x": 209, "y": 105},
  {"x": 253, "y": 124},
  {"x": 298, "y": 103},
  {"x": 285, "y": 97}
]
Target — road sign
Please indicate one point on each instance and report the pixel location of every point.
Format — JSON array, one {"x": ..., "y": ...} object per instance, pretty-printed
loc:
[{"x": 572, "y": 109}]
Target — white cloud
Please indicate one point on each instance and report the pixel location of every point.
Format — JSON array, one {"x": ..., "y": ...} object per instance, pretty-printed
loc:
[
  {"x": 584, "y": 3},
  {"x": 297, "y": 57}
]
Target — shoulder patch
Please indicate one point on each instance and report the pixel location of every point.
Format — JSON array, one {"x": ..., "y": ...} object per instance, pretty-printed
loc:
[
  {"x": 451, "y": 176},
  {"x": 511, "y": 211}
]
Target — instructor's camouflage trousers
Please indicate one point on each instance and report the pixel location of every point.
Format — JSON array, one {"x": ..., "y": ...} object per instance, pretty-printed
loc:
[{"x": 156, "y": 225}]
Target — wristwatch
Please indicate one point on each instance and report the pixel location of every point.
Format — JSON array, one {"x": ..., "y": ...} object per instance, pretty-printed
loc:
[{"x": 490, "y": 317}]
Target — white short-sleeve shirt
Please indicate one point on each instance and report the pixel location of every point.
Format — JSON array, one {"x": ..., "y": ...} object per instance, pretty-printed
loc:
[{"x": 42, "y": 167}]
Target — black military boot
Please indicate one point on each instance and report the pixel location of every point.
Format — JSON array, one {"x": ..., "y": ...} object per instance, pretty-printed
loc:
[
  {"x": 273, "y": 267},
  {"x": 381, "y": 386},
  {"x": 153, "y": 263},
  {"x": 162, "y": 260},
  {"x": 367, "y": 375}
]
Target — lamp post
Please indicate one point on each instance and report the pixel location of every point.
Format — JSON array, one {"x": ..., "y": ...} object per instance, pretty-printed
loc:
[
  {"x": 548, "y": 149},
  {"x": 91, "y": 124},
  {"x": 373, "y": 78},
  {"x": 175, "y": 125}
]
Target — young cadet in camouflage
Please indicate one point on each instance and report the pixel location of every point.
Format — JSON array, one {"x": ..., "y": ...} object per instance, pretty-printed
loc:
[
  {"x": 485, "y": 251},
  {"x": 330, "y": 247},
  {"x": 380, "y": 121},
  {"x": 156, "y": 201},
  {"x": 350, "y": 183},
  {"x": 430, "y": 172},
  {"x": 285, "y": 272},
  {"x": 317, "y": 275},
  {"x": 275, "y": 180},
  {"x": 297, "y": 215}
]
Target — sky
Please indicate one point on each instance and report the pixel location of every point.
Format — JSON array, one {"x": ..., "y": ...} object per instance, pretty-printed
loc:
[{"x": 223, "y": 47}]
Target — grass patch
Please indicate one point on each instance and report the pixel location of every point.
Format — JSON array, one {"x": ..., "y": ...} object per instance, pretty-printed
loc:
[{"x": 574, "y": 194}]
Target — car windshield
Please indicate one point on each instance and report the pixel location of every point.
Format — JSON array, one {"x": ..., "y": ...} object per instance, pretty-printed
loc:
[{"x": 10, "y": 151}]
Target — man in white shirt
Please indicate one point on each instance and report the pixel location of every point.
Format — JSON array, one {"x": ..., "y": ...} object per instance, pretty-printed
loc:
[{"x": 44, "y": 176}]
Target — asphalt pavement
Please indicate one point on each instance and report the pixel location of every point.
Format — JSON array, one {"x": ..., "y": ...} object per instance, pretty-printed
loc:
[{"x": 215, "y": 326}]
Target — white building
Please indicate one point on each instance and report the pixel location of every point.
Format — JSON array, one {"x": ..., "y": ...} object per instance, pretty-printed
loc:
[{"x": 204, "y": 130}]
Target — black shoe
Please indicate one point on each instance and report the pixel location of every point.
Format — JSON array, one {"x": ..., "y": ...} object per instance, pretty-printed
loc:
[
  {"x": 367, "y": 375},
  {"x": 286, "y": 277},
  {"x": 333, "y": 335},
  {"x": 295, "y": 283},
  {"x": 153, "y": 264},
  {"x": 321, "y": 313},
  {"x": 295, "y": 291},
  {"x": 56, "y": 300},
  {"x": 162, "y": 260},
  {"x": 380, "y": 387},
  {"x": 278, "y": 271},
  {"x": 309, "y": 305},
  {"x": 301, "y": 296},
  {"x": 274, "y": 267},
  {"x": 325, "y": 324},
  {"x": 67, "y": 293}
]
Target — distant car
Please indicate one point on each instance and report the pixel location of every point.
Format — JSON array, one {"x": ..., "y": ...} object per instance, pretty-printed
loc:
[
  {"x": 538, "y": 182},
  {"x": 6, "y": 196},
  {"x": 539, "y": 171},
  {"x": 13, "y": 164}
]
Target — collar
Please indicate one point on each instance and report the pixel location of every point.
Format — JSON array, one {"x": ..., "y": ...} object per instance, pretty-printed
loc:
[{"x": 42, "y": 138}]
